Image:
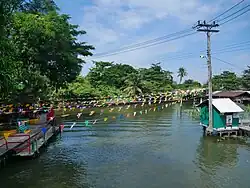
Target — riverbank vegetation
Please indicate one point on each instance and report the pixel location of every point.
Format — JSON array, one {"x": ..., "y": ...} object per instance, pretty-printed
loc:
[
  {"x": 41, "y": 58},
  {"x": 111, "y": 79}
]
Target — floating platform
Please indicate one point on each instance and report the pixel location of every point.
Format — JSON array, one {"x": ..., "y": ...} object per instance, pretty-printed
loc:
[
  {"x": 27, "y": 145},
  {"x": 37, "y": 142},
  {"x": 243, "y": 130}
]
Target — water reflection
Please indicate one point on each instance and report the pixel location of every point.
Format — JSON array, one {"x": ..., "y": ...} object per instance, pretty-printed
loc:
[
  {"x": 56, "y": 169},
  {"x": 213, "y": 153}
]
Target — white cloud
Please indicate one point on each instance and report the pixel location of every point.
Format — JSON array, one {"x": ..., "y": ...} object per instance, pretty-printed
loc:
[{"x": 111, "y": 24}]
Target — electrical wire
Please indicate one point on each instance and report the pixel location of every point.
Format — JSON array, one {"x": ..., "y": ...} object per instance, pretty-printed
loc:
[
  {"x": 228, "y": 63},
  {"x": 227, "y": 11},
  {"x": 163, "y": 39},
  {"x": 149, "y": 45},
  {"x": 234, "y": 13},
  {"x": 146, "y": 42},
  {"x": 227, "y": 47},
  {"x": 196, "y": 54},
  {"x": 235, "y": 17}
]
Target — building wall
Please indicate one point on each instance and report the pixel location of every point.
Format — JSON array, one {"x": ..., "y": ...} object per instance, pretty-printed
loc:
[
  {"x": 235, "y": 120},
  {"x": 204, "y": 115},
  {"x": 219, "y": 120}
]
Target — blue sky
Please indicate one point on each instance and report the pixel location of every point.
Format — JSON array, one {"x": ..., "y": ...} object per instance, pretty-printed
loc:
[{"x": 111, "y": 24}]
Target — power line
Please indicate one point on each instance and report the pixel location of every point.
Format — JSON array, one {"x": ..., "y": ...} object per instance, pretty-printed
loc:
[
  {"x": 160, "y": 40},
  {"x": 226, "y": 11},
  {"x": 228, "y": 63},
  {"x": 196, "y": 54},
  {"x": 146, "y": 42},
  {"x": 234, "y": 13},
  {"x": 149, "y": 45},
  {"x": 227, "y": 47},
  {"x": 235, "y": 17},
  {"x": 236, "y": 50}
]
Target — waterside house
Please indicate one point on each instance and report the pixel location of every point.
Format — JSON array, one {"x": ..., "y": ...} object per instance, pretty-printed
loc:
[
  {"x": 225, "y": 115},
  {"x": 242, "y": 97}
]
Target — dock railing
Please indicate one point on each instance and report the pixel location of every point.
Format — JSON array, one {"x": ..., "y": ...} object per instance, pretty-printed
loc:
[
  {"x": 22, "y": 142},
  {"x": 5, "y": 143},
  {"x": 245, "y": 119}
]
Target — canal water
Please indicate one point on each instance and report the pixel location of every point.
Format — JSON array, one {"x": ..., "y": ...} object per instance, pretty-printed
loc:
[{"x": 163, "y": 148}]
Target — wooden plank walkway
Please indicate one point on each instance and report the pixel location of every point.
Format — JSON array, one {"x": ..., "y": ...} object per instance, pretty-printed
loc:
[
  {"x": 14, "y": 142},
  {"x": 21, "y": 140},
  {"x": 40, "y": 142},
  {"x": 245, "y": 128}
]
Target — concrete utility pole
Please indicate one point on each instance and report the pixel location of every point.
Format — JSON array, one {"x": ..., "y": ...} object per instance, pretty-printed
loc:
[{"x": 208, "y": 28}]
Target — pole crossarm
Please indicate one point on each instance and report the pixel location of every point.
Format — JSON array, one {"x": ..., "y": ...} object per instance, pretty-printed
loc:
[{"x": 208, "y": 30}]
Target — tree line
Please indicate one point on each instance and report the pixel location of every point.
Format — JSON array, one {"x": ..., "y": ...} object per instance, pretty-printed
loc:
[
  {"x": 228, "y": 80},
  {"x": 41, "y": 58},
  {"x": 111, "y": 79}
]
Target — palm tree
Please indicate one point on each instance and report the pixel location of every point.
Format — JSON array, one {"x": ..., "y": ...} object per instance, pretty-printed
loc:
[
  {"x": 182, "y": 73},
  {"x": 133, "y": 84}
]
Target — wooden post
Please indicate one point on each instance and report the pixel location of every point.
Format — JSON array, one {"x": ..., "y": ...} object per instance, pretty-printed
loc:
[
  {"x": 29, "y": 143},
  {"x": 6, "y": 144}
]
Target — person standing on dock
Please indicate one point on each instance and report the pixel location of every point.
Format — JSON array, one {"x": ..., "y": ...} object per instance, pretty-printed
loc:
[{"x": 51, "y": 113}]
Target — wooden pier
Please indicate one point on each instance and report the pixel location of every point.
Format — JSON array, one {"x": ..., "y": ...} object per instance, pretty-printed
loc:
[
  {"x": 27, "y": 145},
  {"x": 244, "y": 130}
]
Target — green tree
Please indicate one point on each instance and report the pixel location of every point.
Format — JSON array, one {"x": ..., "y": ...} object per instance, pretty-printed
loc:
[
  {"x": 245, "y": 81},
  {"x": 108, "y": 73},
  {"x": 226, "y": 81},
  {"x": 134, "y": 85},
  {"x": 39, "y": 50},
  {"x": 97, "y": 74},
  {"x": 81, "y": 88},
  {"x": 181, "y": 73},
  {"x": 189, "y": 84},
  {"x": 47, "y": 43},
  {"x": 39, "y": 6},
  {"x": 156, "y": 79},
  {"x": 9, "y": 65}
]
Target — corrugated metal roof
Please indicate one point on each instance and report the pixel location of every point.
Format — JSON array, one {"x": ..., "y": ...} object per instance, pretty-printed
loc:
[
  {"x": 226, "y": 105},
  {"x": 230, "y": 93}
]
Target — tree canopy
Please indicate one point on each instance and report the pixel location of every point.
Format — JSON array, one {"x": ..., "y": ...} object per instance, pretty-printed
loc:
[
  {"x": 39, "y": 48},
  {"x": 182, "y": 73},
  {"x": 226, "y": 81},
  {"x": 111, "y": 79}
]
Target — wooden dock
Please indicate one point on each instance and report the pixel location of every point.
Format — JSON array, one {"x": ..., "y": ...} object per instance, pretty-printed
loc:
[
  {"x": 27, "y": 145},
  {"x": 244, "y": 130},
  {"x": 13, "y": 142},
  {"x": 38, "y": 142}
]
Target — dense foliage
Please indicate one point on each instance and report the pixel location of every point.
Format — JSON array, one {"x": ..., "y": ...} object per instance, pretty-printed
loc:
[
  {"x": 230, "y": 81},
  {"x": 39, "y": 50},
  {"x": 110, "y": 79}
]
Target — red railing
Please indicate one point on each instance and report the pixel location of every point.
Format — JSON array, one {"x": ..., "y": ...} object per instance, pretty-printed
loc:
[
  {"x": 24, "y": 140},
  {"x": 4, "y": 143},
  {"x": 22, "y": 144}
]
